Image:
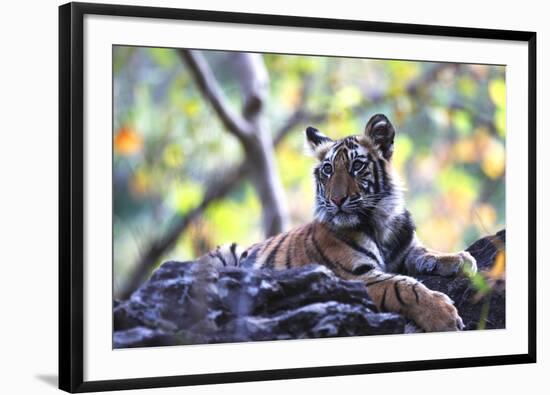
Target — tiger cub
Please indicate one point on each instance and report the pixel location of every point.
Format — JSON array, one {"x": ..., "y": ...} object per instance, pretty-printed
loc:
[{"x": 362, "y": 231}]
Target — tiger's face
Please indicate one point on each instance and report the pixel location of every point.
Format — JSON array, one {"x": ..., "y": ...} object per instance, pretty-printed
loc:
[{"x": 352, "y": 176}]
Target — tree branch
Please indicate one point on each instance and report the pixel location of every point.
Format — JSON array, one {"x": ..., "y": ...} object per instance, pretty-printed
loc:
[
  {"x": 216, "y": 190},
  {"x": 209, "y": 86},
  {"x": 253, "y": 80}
]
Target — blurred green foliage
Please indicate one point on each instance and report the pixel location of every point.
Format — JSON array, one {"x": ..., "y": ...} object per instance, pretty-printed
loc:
[{"x": 168, "y": 142}]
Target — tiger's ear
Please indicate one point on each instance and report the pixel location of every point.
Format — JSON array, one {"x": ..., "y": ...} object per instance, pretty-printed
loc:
[
  {"x": 380, "y": 133},
  {"x": 318, "y": 143}
]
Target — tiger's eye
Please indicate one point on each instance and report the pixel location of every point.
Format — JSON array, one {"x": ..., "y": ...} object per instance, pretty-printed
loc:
[
  {"x": 327, "y": 169},
  {"x": 358, "y": 165}
]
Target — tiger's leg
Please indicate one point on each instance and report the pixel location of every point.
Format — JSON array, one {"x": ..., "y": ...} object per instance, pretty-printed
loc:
[
  {"x": 420, "y": 260},
  {"x": 431, "y": 310}
]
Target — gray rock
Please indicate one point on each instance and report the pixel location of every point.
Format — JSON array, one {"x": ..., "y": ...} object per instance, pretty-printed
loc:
[
  {"x": 140, "y": 336},
  {"x": 189, "y": 303}
]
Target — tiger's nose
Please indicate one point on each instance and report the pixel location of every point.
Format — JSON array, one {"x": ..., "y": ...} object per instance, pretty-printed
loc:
[{"x": 338, "y": 200}]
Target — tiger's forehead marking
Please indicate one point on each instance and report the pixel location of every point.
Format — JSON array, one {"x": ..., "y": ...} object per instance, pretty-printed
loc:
[{"x": 347, "y": 149}]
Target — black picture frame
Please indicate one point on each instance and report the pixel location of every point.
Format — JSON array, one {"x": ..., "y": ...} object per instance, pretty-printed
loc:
[{"x": 71, "y": 194}]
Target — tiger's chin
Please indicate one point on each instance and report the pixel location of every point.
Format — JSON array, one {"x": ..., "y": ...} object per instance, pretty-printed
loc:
[{"x": 340, "y": 219}]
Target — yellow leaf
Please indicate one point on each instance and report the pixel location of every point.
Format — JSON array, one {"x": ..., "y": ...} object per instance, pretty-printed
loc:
[
  {"x": 127, "y": 141},
  {"x": 467, "y": 86},
  {"x": 498, "y": 270},
  {"x": 187, "y": 195},
  {"x": 348, "y": 96},
  {"x": 462, "y": 122},
  {"x": 191, "y": 108},
  {"x": 172, "y": 155},
  {"x": 497, "y": 92},
  {"x": 494, "y": 160},
  {"x": 465, "y": 151},
  {"x": 403, "y": 145},
  {"x": 500, "y": 121}
]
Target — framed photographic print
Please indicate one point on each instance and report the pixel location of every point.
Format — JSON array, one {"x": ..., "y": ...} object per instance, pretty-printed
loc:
[{"x": 251, "y": 197}]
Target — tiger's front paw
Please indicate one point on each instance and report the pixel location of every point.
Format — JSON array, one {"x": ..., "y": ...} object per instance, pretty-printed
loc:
[
  {"x": 437, "y": 313},
  {"x": 449, "y": 265}
]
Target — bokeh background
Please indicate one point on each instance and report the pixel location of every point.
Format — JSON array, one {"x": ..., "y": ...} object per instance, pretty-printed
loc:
[{"x": 171, "y": 147}]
